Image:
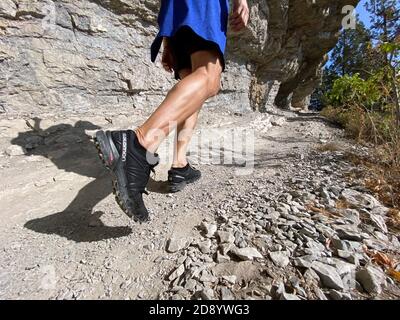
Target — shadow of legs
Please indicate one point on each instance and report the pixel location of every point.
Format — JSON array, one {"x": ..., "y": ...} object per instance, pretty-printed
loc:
[
  {"x": 157, "y": 186},
  {"x": 73, "y": 222}
]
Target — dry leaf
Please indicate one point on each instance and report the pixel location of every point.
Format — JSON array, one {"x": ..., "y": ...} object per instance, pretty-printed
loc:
[
  {"x": 394, "y": 274},
  {"x": 381, "y": 258}
]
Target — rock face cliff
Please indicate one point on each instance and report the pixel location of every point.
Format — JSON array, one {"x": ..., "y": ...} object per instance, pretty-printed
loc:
[{"x": 93, "y": 55}]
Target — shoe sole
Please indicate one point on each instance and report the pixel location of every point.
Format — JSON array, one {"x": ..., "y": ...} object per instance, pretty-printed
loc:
[
  {"x": 177, "y": 187},
  {"x": 110, "y": 157}
]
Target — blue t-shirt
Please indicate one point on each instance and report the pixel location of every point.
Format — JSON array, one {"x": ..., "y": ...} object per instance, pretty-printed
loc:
[{"x": 207, "y": 18}]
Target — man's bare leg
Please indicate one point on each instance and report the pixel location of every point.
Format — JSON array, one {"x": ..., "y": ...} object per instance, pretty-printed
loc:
[
  {"x": 185, "y": 99},
  {"x": 184, "y": 133}
]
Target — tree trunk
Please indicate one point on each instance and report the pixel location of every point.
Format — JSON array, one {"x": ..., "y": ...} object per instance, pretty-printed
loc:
[{"x": 395, "y": 94}]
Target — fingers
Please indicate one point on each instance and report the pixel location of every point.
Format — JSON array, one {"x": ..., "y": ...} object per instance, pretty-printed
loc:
[{"x": 239, "y": 18}]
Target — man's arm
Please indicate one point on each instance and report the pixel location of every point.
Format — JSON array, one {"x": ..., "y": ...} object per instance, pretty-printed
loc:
[{"x": 240, "y": 15}]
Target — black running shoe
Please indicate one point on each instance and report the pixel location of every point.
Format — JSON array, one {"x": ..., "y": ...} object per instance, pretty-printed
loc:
[
  {"x": 178, "y": 178},
  {"x": 131, "y": 165}
]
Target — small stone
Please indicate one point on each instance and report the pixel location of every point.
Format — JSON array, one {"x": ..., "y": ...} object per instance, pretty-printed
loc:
[
  {"x": 379, "y": 222},
  {"x": 279, "y": 258},
  {"x": 320, "y": 295},
  {"x": 380, "y": 210},
  {"x": 288, "y": 296},
  {"x": 308, "y": 232},
  {"x": 231, "y": 279},
  {"x": 190, "y": 284},
  {"x": 209, "y": 229},
  {"x": 272, "y": 215},
  {"x": 395, "y": 242},
  {"x": 303, "y": 262},
  {"x": 175, "y": 245},
  {"x": 207, "y": 277},
  {"x": 241, "y": 243},
  {"x": 335, "y": 295},
  {"x": 335, "y": 190},
  {"x": 205, "y": 246},
  {"x": 225, "y": 248},
  {"x": 381, "y": 236},
  {"x": 141, "y": 295},
  {"x": 328, "y": 275},
  {"x": 246, "y": 253},
  {"x": 349, "y": 256},
  {"x": 324, "y": 194},
  {"x": 177, "y": 273},
  {"x": 220, "y": 258},
  {"x": 226, "y": 294},
  {"x": 15, "y": 150},
  {"x": 375, "y": 244},
  {"x": 282, "y": 210},
  {"x": 351, "y": 215},
  {"x": 225, "y": 237},
  {"x": 325, "y": 230},
  {"x": 207, "y": 294},
  {"x": 346, "y": 245},
  {"x": 347, "y": 233},
  {"x": 277, "y": 289},
  {"x": 359, "y": 200},
  {"x": 371, "y": 279}
]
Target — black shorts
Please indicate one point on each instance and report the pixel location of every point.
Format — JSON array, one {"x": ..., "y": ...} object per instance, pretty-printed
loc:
[{"x": 184, "y": 43}]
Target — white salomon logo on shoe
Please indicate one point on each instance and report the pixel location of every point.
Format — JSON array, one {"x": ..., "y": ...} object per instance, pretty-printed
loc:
[{"x": 124, "y": 147}]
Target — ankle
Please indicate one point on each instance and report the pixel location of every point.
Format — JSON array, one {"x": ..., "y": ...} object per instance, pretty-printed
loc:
[
  {"x": 179, "y": 164},
  {"x": 142, "y": 140}
]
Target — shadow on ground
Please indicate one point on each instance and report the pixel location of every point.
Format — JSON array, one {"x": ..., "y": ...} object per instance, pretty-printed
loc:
[
  {"x": 157, "y": 186},
  {"x": 313, "y": 117},
  {"x": 71, "y": 150}
]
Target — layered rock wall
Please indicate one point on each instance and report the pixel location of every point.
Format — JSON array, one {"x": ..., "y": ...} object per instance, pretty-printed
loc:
[{"x": 93, "y": 55}]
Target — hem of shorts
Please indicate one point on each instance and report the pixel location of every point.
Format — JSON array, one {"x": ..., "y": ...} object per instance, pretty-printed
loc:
[{"x": 158, "y": 41}]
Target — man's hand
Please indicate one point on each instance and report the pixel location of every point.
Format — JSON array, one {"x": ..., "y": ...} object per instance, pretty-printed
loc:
[
  {"x": 240, "y": 15},
  {"x": 167, "y": 58}
]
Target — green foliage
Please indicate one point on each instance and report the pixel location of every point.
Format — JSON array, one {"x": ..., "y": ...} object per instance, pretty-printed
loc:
[
  {"x": 366, "y": 108},
  {"x": 353, "y": 90},
  {"x": 390, "y": 47}
]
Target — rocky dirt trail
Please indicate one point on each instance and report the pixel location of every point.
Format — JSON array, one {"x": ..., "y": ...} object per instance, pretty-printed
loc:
[{"x": 278, "y": 232}]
